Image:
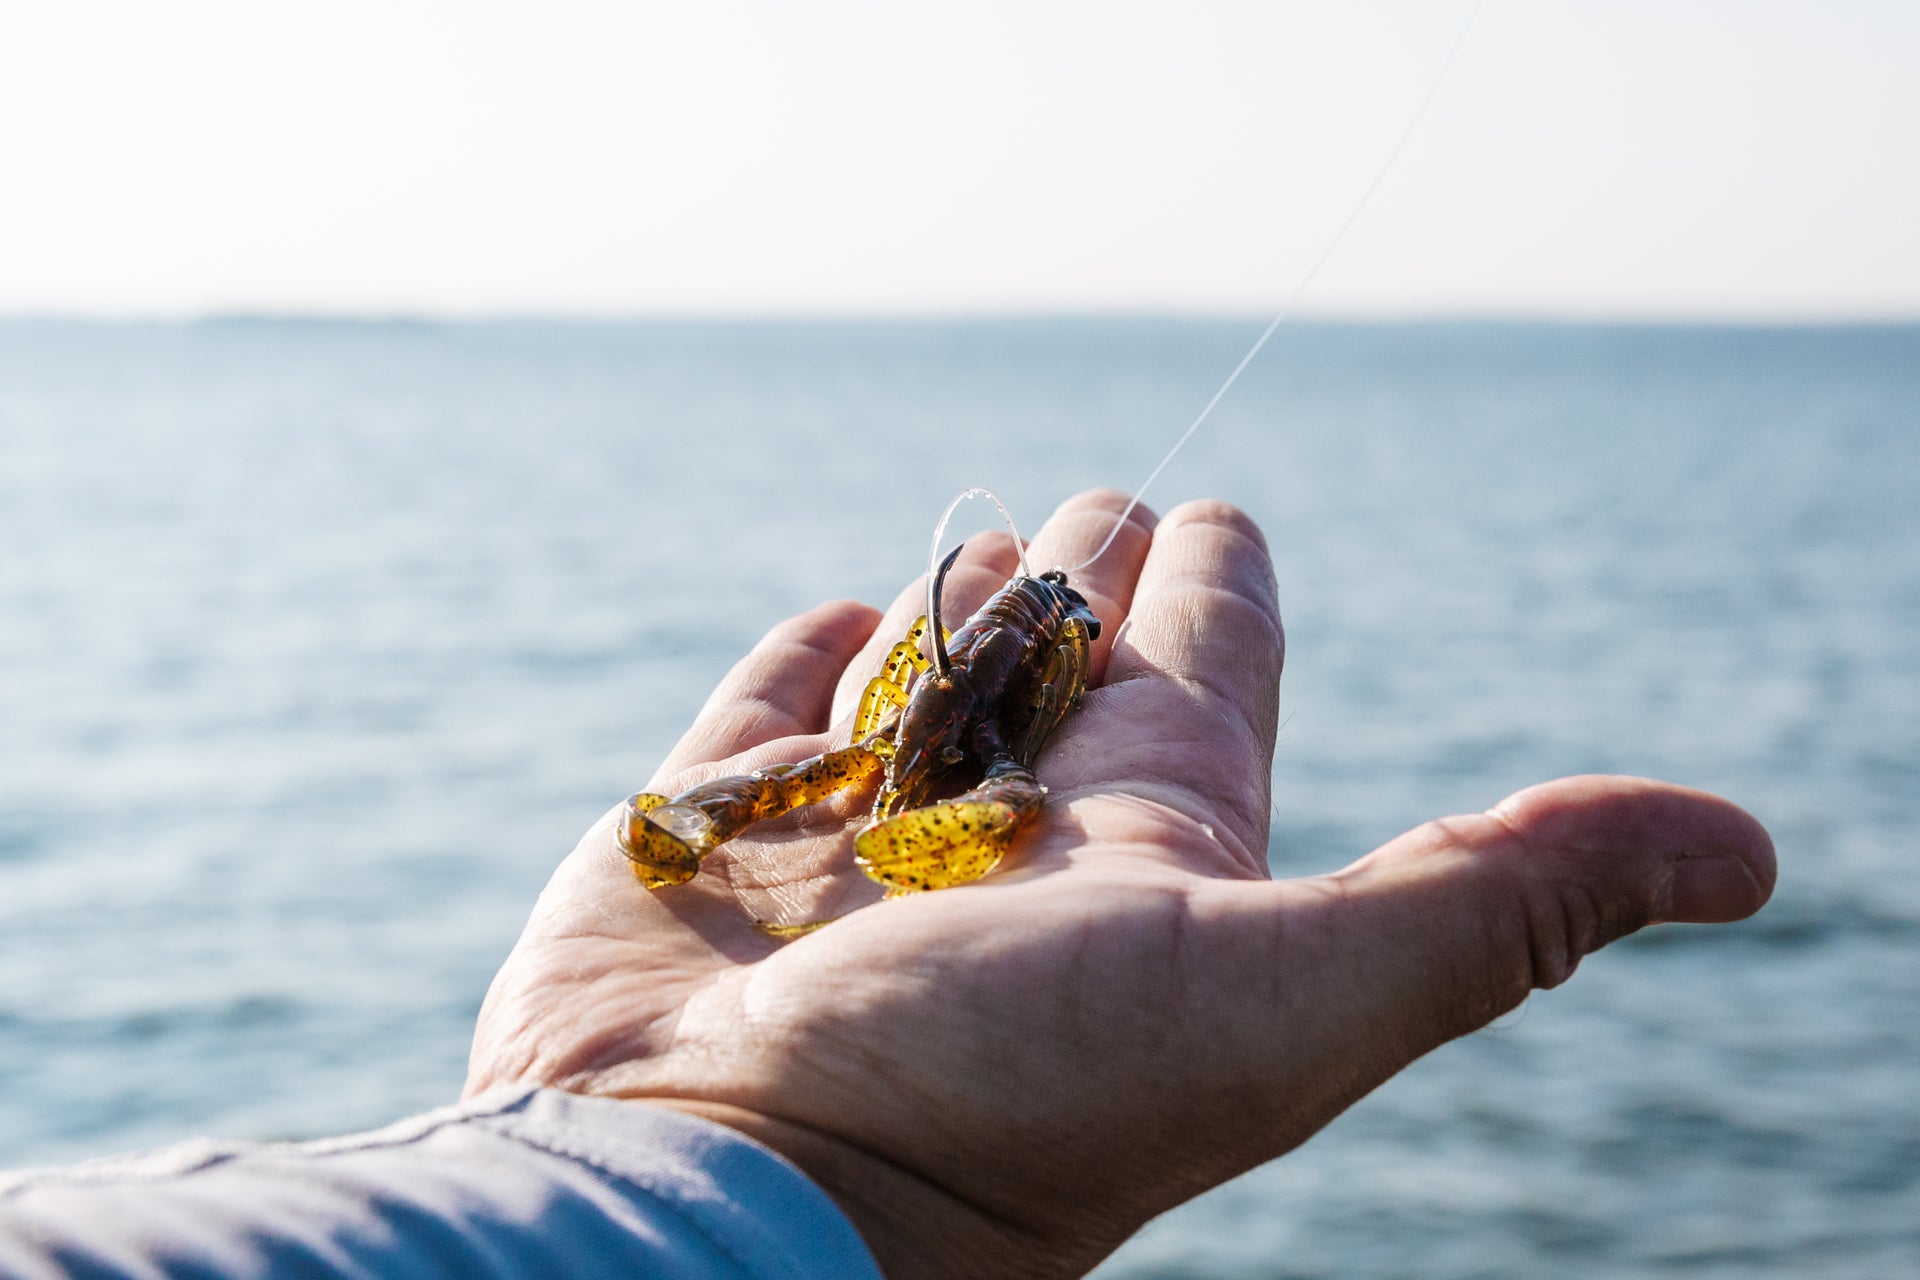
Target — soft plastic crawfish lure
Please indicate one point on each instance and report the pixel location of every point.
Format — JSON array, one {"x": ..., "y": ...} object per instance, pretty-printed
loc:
[
  {"x": 1001, "y": 684},
  {"x": 980, "y": 708}
]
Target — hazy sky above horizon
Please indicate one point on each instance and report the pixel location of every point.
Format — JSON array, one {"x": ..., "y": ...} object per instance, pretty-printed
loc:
[{"x": 1713, "y": 158}]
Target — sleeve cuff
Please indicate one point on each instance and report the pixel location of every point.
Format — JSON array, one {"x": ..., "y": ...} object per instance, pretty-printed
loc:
[{"x": 774, "y": 1219}]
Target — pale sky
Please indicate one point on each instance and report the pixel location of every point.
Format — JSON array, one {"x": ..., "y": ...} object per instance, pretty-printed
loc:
[{"x": 1622, "y": 158}]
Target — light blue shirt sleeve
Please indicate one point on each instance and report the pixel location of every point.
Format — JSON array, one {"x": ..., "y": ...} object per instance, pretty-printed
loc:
[{"x": 515, "y": 1183}]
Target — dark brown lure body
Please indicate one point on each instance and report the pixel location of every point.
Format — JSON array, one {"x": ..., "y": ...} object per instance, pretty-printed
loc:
[{"x": 1003, "y": 691}]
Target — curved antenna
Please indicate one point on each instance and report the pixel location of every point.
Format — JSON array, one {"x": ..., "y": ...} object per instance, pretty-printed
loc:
[
  {"x": 941, "y": 663},
  {"x": 1293, "y": 299},
  {"x": 936, "y": 574}
]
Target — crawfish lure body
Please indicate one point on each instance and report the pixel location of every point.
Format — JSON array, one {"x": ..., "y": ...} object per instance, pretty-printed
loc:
[
  {"x": 1011, "y": 673},
  {"x": 965, "y": 724}
]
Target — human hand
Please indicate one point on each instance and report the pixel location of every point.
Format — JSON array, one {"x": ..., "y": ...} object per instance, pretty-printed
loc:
[{"x": 1009, "y": 1078}]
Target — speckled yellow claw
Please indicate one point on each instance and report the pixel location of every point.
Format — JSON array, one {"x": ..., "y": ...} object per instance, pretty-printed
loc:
[{"x": 953, "y": 842}]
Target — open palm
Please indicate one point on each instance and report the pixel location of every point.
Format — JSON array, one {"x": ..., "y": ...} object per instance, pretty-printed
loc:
[{"x": 1009, "y": 1078}]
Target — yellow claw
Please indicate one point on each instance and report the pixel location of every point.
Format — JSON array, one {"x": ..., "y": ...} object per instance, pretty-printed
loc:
[{"x": 939, "y": 846}]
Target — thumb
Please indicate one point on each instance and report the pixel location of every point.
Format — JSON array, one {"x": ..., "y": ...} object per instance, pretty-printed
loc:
[
  {"x": 1470, "y": 914},
  {"x": 1441, "y": 930}
]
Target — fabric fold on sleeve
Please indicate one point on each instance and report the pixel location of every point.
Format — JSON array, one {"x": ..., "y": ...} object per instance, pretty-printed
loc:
[{"x": 520, "y": 1182}]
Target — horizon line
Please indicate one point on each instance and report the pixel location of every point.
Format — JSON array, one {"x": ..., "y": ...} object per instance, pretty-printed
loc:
[{"x": 454, "y": 317}]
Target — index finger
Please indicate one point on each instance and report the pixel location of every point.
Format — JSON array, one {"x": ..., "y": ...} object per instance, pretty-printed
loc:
[{"x": 1200, "y": 659}]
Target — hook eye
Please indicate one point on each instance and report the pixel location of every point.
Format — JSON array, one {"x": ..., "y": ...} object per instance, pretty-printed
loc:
[{"x": 952, "y": 755}]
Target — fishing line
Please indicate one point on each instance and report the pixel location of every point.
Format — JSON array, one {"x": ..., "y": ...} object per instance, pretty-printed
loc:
[
  {"x": 1293, "y": 298},
  {"x": 940, "y": 532}
]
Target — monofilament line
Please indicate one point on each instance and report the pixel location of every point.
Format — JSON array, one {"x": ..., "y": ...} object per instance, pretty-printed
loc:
[
  {"x": 940, "y": 534},
  {"x": 1293, "y": 299}
]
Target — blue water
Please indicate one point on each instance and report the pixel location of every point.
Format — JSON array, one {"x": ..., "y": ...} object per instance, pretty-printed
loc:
[{"x": 321, "y": 643}]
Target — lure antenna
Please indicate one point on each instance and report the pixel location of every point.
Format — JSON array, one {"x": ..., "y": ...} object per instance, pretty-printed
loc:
[{"x": 941, "y": 663}]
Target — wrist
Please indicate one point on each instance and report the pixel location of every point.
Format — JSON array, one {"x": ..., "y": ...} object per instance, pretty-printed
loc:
[{"x": 915, "y": 1229}]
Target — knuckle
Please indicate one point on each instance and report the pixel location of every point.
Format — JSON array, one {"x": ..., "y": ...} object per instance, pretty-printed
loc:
[{"x": 1570, "y": 901}]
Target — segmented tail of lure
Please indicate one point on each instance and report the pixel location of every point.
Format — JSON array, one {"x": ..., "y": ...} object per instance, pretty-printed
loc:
[{"x": 666, "y": 837}]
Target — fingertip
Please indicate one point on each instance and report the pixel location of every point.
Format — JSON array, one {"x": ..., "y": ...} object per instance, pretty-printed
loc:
[
  {"x": 1111, "y": 501},
  {"x": 1083, "y": 533},
  {"x": 1101, "y": 544},
  {"x": 1212, "y": 543},
  {"x": 1207, "y": 600},
  {"x": 835, "y": 624},
  {"x": 991, "y": 551},
  {"x": 1717, "y": 889},
  {"x": 782, "y": 687},
  {"x": 1221, "y": 514}
]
